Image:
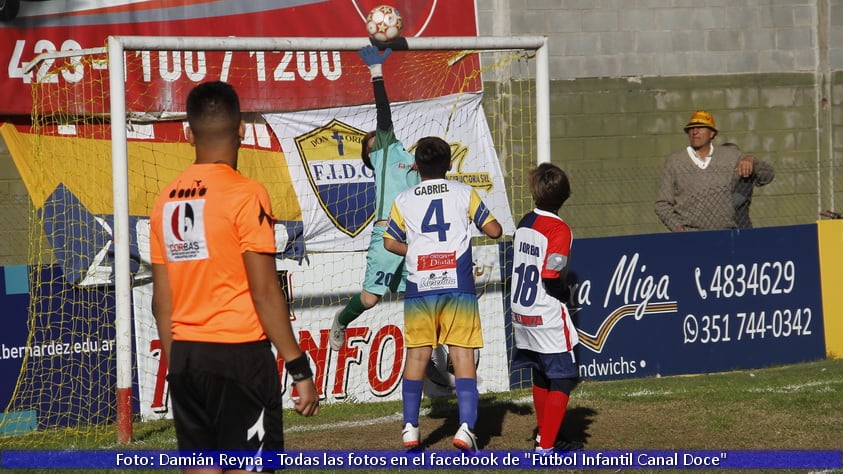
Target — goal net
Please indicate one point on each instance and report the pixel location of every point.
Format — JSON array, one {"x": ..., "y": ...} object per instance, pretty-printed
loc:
[{"x": 97, "y": 152}]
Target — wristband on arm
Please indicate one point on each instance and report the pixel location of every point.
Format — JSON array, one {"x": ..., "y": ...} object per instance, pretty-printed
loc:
[
  {"x": 376, "y": 70},
  {"x": 299, "y": 368}
]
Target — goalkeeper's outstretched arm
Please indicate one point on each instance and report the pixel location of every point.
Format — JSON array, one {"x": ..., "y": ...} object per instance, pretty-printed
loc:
[{"x": 374, "y": 60}]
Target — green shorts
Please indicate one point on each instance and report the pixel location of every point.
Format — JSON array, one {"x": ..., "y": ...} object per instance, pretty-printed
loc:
[{"x": 385, "y": 271}]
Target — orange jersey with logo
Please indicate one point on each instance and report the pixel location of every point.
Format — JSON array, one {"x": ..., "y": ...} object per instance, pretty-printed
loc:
[{"x": 201, "y": 224}]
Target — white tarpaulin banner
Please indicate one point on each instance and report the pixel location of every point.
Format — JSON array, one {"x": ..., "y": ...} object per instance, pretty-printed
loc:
[
  {"x": 370, "y": 366},
  {"x": 335, "y": 192},
  {"x": 322, "y": 148}
]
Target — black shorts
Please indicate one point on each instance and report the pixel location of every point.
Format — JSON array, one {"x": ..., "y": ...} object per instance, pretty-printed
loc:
[{"x": 226, "y": 396}]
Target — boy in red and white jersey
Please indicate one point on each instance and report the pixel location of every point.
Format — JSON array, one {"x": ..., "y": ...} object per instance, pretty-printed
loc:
[{"x": 545, "y": 335}]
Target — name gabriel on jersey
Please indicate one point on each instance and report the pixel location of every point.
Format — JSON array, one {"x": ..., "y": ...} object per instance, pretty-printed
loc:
[{"x": 431, "y": 189}]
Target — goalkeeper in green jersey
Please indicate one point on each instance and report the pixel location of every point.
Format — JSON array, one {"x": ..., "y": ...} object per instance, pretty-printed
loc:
[{"x": 394, "y": 172}]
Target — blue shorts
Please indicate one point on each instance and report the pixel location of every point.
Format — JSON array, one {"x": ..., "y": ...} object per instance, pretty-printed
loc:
[
  {"x": 385, "y": 271},
  {"x": 558, "y": 365}
]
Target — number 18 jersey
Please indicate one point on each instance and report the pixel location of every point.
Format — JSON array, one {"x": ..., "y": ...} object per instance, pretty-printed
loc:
[{"x": 541, "y": 247}]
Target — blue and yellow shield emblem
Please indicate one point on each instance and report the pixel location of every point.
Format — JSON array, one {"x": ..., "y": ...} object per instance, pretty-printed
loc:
[{"x": 344, "y": 186}]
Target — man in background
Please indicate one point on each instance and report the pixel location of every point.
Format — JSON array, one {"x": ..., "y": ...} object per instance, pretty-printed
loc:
[{"x": 697, "y": 184}]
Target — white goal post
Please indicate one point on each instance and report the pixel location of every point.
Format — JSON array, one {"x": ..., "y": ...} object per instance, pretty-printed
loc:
[
  {"x": 116, "y": 47},
  {"x": 119, "y": 117}
]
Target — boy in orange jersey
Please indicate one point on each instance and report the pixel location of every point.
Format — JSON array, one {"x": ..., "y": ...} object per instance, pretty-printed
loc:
[{"x": 216, "y": 298}]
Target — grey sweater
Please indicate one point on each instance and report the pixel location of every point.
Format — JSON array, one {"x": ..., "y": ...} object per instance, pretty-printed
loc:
[{"x": 696, "y": 198}]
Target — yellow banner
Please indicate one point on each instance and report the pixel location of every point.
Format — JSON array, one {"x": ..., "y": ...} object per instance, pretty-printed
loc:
[
  {"x": 831, "y": 275},
  {"x": 83, "y": 165}
]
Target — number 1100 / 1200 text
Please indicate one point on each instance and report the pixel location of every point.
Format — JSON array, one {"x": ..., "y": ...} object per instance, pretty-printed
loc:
[{"x": 263, "y": 66}]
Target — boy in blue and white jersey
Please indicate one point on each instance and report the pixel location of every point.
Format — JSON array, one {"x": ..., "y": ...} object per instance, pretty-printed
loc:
[{"x": 430, "y": 224}]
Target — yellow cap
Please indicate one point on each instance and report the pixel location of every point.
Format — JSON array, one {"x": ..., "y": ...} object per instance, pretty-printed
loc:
[{"x": 701, "y": 118}]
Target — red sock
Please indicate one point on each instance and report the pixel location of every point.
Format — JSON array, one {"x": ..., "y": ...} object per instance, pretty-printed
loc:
[
  {"x": 539, "y": 400},
  {"x": 554, "y": 413}
]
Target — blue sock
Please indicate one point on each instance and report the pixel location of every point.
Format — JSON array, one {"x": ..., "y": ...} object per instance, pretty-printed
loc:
[
  {"x": 467, "y": 400},
  {"x": 411, "y": 392}
]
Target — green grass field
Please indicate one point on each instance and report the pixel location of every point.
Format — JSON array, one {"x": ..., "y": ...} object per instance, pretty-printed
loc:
[{"x": 797, "y": 407}]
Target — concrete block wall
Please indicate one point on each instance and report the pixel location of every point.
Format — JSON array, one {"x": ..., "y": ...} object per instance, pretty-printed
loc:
[
  {"x": 614, "y": 147},
  {"x": 14, "y": 212},
  {"x": 627, "y": 74},
  {"x": 665, "y": 37}
]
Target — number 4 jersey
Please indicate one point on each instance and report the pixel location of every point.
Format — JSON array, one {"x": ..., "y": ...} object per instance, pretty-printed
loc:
[
  {"x": 541, "y": 247},
  {"x": 434, "y": 218}
]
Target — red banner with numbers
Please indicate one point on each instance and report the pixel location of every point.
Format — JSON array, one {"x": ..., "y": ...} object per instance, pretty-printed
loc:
[{"x": 47, "y": 26}]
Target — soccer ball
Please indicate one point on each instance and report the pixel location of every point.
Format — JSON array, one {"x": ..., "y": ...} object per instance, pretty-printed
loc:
[{"x": 384, "y": 23}]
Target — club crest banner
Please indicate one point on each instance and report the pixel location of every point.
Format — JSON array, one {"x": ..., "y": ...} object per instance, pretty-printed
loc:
[{"x": 335, "y": 190}]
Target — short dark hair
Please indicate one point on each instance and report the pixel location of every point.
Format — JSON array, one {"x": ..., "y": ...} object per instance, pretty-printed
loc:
[
  {"x": 549, "y": 186},
  {"x": 433, "y": 157},
  {"x": 365, "y": 150},
  {"x": 213, "y": 110}
]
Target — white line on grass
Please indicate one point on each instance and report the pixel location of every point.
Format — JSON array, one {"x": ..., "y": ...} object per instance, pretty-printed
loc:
[
  {"x": 375, "y": 421},
  {"x": 525, "y": 401},
  {"x": 794, "y": 388},
  {"x": 353, "y": 424}
]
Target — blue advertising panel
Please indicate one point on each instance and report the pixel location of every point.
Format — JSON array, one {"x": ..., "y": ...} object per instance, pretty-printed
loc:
[
  {"x": 15, "y": 299},
  {"x": 696, "y": 302},
  {"x": 62, "y": 359}
]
